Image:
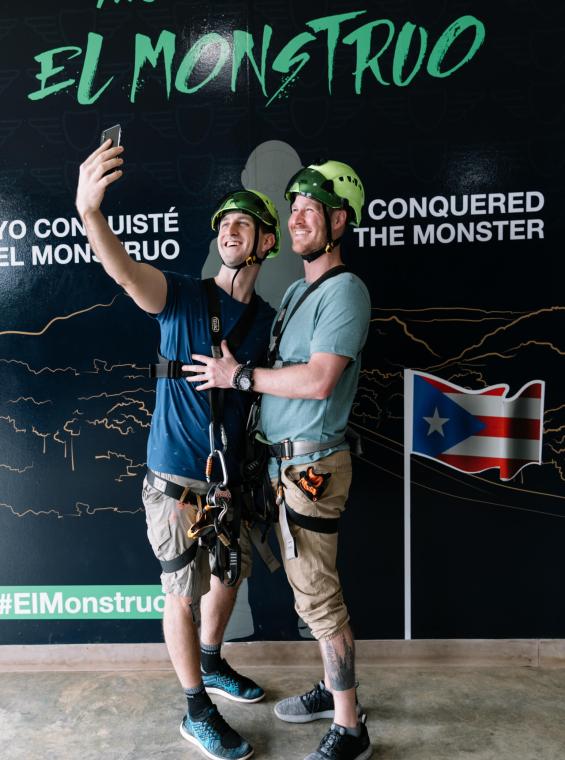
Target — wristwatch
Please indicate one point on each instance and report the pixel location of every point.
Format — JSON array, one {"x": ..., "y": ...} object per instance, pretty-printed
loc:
[{"x": 243, "y": 381}]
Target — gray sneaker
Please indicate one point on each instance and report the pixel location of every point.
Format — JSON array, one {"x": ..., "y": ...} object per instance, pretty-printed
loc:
[{"x": 315, "y": 704}]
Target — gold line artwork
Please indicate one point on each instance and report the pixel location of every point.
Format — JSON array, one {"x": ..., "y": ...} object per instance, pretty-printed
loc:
[
  {"x": 552, "y": 309},
  {"x": 43, "y": 436},
  {"x": 28, "y": 398},
  {"x": 59, "y": 319},
  {"x": 16, "y": 469},
  {"x": 128, "y": 474},
  {"x": 113, "y": 395},
  {"x": 406, "y": 331},
  {"x": 11, "y": 421},
  {"x": 43, "y": 369},
  {"x": 80, "y": 510},
  {"x": 110, "y": 417}
]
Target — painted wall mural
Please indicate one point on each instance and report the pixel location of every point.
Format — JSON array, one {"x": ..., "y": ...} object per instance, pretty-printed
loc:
[{"x": 453, "y": 116}]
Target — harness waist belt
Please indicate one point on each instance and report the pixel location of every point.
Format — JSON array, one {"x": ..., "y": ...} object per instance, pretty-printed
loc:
[
  {"x": 288, "y": 449},
  {"x": 183, "y": 494}
]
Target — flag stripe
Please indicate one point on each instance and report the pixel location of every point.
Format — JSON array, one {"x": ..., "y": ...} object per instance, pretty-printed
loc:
[
  {"x": 508, "y": 427},
  {"x": 444, "y": 388},
  {"x": 533, "y": 391},
  {"x": 508, "y": 467},
  {"x": 497, "y": 448},
  {"x": 490, "y": 406}
]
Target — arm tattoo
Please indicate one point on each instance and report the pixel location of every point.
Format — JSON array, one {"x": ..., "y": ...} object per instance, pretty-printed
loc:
[{"x": 339, "y": 659}]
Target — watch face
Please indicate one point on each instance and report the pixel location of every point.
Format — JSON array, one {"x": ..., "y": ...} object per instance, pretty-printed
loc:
[{"x": 244, "y": 383}]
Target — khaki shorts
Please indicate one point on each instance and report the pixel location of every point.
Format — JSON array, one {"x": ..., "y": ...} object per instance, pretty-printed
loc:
[
  {"x": 313, "y": 574},
  {"x": 167, "y": 526}
]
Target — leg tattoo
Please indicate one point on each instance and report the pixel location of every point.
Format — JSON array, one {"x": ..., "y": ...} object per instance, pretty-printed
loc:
[{"x": 339, "y": 659}]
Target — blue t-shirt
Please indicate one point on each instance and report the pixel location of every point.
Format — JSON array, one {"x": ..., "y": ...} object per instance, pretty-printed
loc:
[
  {"x": 334, "y": 319},
  {"x": 178, "y": 440}
]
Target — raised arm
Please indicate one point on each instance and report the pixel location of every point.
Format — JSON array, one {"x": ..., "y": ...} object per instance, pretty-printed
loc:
[{"x": 143, "y": 282}]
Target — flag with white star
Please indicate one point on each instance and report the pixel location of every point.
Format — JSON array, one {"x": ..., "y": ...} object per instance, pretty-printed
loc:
[{"x": 473, "y": 431}]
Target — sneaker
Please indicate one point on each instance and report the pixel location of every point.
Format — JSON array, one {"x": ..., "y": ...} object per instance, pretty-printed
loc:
[
  {"x": 337, "y": 744},
  {"x": 315, "y": 704},
  {"x": 214, "y": 737},
  {"x": 228, "y": 683}
]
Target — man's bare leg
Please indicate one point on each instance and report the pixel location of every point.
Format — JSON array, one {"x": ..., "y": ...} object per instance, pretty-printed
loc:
[
  {"x": 215, "y": 609},
  {"x": 338, "y": 654},
  {"x": 181, "y": 638}
]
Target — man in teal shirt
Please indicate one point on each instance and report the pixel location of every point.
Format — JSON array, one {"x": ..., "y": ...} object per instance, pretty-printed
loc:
[{"x": 307, "y": 396}]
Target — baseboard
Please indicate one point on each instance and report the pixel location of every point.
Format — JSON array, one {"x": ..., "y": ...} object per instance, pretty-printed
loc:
[{"x": 544, "y": 653}]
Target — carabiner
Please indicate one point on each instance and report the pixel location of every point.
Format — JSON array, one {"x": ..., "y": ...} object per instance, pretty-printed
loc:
[
  {"x": 211, "y": 438},
  {"x": 220, "y": 455}
]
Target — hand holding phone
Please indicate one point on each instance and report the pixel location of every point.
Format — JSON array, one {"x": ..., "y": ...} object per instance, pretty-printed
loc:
[
  {"x": 114, "y": 134},
  {"x": 101, "y": 169}
]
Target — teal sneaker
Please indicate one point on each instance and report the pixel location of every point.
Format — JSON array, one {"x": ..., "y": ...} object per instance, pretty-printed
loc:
[
  {"x": 214, "y": 737},
  {"x": 228, "y": 683}
]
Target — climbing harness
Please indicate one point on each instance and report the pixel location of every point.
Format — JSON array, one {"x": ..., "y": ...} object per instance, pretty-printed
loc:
[{"x": 218, "y": 515}]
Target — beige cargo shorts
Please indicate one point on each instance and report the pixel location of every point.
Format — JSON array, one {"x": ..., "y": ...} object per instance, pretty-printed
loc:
[
  {"x": 313, "y": 573},
  {"x": 167, "y": 526}
]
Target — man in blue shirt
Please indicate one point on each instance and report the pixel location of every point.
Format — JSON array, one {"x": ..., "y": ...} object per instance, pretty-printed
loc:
[
  {"x": 179, "y": 443},
  {"x": 308, "y": 392}
]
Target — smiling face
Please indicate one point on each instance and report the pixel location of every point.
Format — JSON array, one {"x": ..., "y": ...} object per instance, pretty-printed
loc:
[
  {"x": 307, "y": 225},
  {"x": 236, "y": 235}
]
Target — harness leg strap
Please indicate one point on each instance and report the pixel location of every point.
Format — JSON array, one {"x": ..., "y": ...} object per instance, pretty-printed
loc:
[
  {"x": 184, "y": 559},
  {"x": 315, "y": 524}
]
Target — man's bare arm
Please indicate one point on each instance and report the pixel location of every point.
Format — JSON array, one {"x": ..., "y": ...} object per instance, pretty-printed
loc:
[
  {"x": 143, "y": 282},
  {"x": 315, "y": 380}
]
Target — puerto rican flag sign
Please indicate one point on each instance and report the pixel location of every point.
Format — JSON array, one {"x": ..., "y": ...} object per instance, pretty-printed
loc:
[{"x": 474, "y": 431}]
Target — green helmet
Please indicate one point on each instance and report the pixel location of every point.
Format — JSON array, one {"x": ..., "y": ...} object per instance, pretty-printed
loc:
[
  {"x": 258, "y": 205},
  {"x": 332, "y": 183}
]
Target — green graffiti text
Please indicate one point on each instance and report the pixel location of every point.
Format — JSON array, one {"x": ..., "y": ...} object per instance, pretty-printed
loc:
[{"x": 393, "y": 56}]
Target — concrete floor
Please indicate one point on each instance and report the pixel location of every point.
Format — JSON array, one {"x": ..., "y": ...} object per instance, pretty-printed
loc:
[{"x": 413, "y": 714}]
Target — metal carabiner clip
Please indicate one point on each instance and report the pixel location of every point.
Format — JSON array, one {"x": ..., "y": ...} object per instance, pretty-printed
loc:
[
  {"x": 220, "y": 455},
  {"x": 211, "y": 438},
  {"x": 216, "y": 452}
]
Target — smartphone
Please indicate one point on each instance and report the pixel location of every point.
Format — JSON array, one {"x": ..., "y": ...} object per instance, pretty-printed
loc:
[{"x": 114, "y": 133}]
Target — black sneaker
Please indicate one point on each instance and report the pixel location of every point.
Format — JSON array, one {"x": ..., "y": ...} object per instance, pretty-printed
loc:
[
  {"x": 337, "y": 744},
  {"x": 315, "y": 704}
]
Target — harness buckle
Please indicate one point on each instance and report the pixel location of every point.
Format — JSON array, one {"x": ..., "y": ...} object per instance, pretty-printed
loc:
[{"x": 286, "y": 449}]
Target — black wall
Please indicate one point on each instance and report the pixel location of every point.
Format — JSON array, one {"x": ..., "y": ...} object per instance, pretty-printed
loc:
[{"x": 486, "y": 555}]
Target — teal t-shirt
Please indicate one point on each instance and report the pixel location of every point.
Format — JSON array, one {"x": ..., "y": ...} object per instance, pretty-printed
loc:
[{"x": 334, "y": 319}]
